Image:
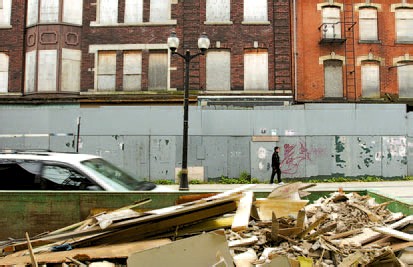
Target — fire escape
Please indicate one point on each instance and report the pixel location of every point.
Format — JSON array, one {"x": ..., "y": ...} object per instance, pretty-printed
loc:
[{"x": 341, "y": 32}]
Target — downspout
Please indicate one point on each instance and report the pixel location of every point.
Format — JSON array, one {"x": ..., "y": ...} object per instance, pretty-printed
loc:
[{"x": 295, "y": 49}]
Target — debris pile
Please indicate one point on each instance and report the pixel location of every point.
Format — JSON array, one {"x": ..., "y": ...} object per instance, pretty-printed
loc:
[{"x": 230, "y": 229}]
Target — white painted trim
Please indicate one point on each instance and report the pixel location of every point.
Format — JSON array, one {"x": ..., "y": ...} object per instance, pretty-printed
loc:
[{"x": 108, "y": 47}]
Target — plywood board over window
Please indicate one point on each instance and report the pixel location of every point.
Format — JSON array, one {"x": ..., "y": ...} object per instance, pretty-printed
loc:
[
  {"x": 255, "y": 10},
  {"x": 4, "y": 72},
  {"x": 160, "y": 11},
  {"x": 333, "y": 78},
  {"x": 106, "y": 71},
  {"x": 70, "y": 70},
  {"x": 331, "y": 22},
  {"x": 73, "y": 11},
  {"x": 49, "y": 10},
  {"x": 132, "y": 71},
  {"x": 256, "y": 70},
  {"x": 32, "y": 12},
  {"x": 30, "y": 71},
  {"x": 404, "y": 24},
  {"x": 108, "y": 12},
  {"x": 405, "y": 78},
  {"x": 368, "y": 24},
  {"x": 47, "y": 71},
  {"x": 158, "y": 70},
  {"x": 133, "y": 11},
  {"x": 5, "y": 12},
  {"x": 218, "y": 70},
  {"x": 218, "y": 10},
  {"x": 370, "y": 79}
]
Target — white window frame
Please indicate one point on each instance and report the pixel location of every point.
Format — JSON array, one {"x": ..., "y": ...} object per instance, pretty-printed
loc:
[
  {"x": 5, "y": 14},
  {"x": 370, "y": 79},
  {"x": 218, "y": 76},
  {"x": 47, "y": 74},
  {"x": 404, "y": 24},
  {"x": 256, "y": 71},
  {"x": 30, "y": 72},
  {"x": 32, "y": 12},
  {"x": 330, "y": 93},
  {"x": 70, "y": 70},
  {"x": 4, "y": 73},
  {"x": 254, "y": 7},
  {"x": 331, "y": 22},
  {"x": 218, "y": 11},
  {"x": 133, "y": 11},
  {"x": 405, "y": 79},
  {"x": 368, "y": 29}
]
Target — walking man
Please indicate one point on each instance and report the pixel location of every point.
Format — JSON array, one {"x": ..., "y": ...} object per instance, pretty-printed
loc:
[{"x": 275, "y": 164}]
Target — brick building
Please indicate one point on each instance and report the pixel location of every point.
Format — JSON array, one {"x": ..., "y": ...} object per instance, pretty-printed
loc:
[
  {"x": 354, "y": 51},
  {"x": 116, "y": 51}
]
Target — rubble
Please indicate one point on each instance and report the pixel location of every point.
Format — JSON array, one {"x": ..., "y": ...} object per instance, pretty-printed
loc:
[{"x": 280, "y": 230}]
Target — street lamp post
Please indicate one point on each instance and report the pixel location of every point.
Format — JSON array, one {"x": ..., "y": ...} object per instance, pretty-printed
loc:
[{"x": 203, "y": 45}]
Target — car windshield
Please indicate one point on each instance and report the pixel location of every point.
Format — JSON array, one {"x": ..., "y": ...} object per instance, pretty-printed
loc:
[{"x": 114, "y": 176}]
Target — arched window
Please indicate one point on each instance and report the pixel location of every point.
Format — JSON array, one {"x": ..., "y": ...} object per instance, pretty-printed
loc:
[
  {"x": 331, "y": 22},
  {"x": 333, "y": 78},
  {"x": 370, "y": 79},
  {"x": 368, "y": 24}
]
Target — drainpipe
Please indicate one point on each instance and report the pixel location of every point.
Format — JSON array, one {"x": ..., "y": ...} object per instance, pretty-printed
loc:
[{"x": 295, "y": 48}]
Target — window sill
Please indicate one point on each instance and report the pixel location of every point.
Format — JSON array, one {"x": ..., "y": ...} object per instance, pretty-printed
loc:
[
  {"x": 404, "y": 42},
  {"x": 5, "y": 26},
  {"x": 369, "y": 42},
  {"x": 218, "y": 23},
  {"x": 140, "y": 24},
  {"x": 256, "y": 23}
]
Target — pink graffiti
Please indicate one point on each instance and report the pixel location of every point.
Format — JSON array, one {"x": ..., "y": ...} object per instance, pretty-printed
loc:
[{"x": 294, "y": 155}]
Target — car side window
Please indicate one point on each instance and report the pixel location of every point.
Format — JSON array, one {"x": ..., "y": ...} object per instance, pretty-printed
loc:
[
  {"x": 19, "y": 175},
  {"x": 56, "y": 177}
]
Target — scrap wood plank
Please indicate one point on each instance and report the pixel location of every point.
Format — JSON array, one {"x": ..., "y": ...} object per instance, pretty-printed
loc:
[
  {"x": 322, "y": 230},
  {"x": 313, "y": 225},
  {"x": 301, "y": 219},
  {"x": 400, "y": 246},
  {"x": 275, "y": 227},
  {"x": 166, "y": 213},
  {"x": 90, "y": 253},
  {"x": 286, "y": 191},
  {"x": 242, "y": 215},
  {"x": 158, "y": 226},
  {"x": 281, "y": 207},
  {"x": 373, "y": 217},
  {"x": 394, "y": 233},
  {"x": 344, "y": 234},
  {"x": 243, "y": 242}
]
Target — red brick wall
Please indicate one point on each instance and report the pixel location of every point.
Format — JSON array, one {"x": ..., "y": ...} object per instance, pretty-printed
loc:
[
  {"x": 12, "y": 43},
  {"x": 311, "y": 74}
]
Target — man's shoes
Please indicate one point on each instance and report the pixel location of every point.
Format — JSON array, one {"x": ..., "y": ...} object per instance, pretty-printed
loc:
[{"x": 281, "y": 183}]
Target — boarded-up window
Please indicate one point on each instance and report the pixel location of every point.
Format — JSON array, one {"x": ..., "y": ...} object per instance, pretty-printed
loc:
[
  {"x": 70, "y": 77},
  {"x": 107, "y": 71},
  {"x": 30, "y": 71},
  {"x": 73, "y": 11},
  {"x": 133, "y": 11},
  {"x": 333, "y": 78},
  {"x": 405, "y": 76},
  {"x": 5, "y": 12},
  {"x": 218, "y": 70},
  {"x": 47, "y": 71},
  {"x": 331, "y": 23},
  {"x": 218, "y": 10},
  {"x": 108, "y": 12},
  {"x": 158, "y": 71},
  {"x": 256, "y": 71},
  {"x": 370, "y": 79},
  {"x": 32, "y": 12},
  {"x": 132, "y": 71},
  {"x": 404, "y": 24},
  {"x": 368, "y": 24},
  {"x": 255, "y": 10},
  {"x": 49, "y": 10},
  {"x": 4, "y": 72},
  {"x": 160, "y": 11}
]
